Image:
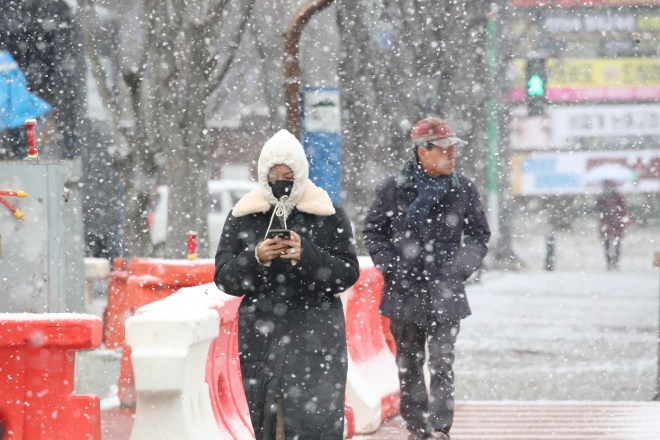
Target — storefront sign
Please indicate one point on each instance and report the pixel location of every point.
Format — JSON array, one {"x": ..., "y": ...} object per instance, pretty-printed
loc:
[
  {"x": 577, "y": 3},
  {"x": 568, "y": 173},
  {"x": 601, "y": 79},
  {"x": 596, "y": 22},
  {"x": 604, "y": 121}
]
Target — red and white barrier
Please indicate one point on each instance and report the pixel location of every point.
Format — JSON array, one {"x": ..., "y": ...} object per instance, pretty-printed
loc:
[
  {"x": 37, "y": 355},
  {"x": 372, "y": 392},
  {"x": 144, "y": 281},
  {"x": 372, "y": 387},
  {"x": 222, "y": 399},
  {"x": 222, "y": 370},
  {"x": 222, "y": 375}
]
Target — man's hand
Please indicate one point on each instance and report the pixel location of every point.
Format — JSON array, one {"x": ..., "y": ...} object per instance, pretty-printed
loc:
[
  {"x": 270, "y": 249},
  {"x": 294, "y": 247}
]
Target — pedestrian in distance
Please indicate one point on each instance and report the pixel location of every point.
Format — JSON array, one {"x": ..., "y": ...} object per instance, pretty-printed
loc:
[
  {"x": 614, "y": 217},
  {"x": 289, "y": 252},
  {"x": 427, "y": 233}
]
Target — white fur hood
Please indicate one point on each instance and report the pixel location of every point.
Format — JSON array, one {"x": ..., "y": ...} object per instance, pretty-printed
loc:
[{"x": 284, "y": 148}]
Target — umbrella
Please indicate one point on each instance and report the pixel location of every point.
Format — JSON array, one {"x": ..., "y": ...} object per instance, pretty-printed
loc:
[
  {"x": 16, "y": 102},
  {"x": 612, "y": 172}
]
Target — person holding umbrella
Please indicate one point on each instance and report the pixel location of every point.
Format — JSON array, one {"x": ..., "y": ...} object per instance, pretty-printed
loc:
[{"x": 614, "y": 217}]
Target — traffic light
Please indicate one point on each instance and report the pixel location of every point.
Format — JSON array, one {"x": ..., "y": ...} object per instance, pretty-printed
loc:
[{"x": 536, "y": 78}]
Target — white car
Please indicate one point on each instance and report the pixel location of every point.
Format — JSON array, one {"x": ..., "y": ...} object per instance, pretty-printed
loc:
[{"x": 223, "y": 195}]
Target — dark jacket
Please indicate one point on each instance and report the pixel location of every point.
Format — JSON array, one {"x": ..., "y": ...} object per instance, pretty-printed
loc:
[
  {"x": 613, "y": 213},
  {"x": 291, "y": 323},
  {"x": 425, "y": 270}
]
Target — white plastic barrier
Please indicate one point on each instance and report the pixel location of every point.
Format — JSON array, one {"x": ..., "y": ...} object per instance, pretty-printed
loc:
[
  {"x": 365, "y": 400},
  {"x": 169, "y": 352}
]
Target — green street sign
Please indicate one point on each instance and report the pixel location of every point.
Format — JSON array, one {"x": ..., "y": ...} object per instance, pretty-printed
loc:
[{"x": 536, "y": 86}]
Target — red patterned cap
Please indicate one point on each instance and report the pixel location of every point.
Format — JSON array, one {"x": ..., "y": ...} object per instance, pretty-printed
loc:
[{"x": 435, "y": 130}]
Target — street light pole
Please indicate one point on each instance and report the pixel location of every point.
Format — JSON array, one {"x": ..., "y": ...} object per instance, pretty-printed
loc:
[
  {"x": 292, "y": 62},
  {"x": 656, "y": 263},
  {"x": 492, "y": 124}
]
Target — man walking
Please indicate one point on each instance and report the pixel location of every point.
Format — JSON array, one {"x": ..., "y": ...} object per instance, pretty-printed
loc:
[{"x": 427, "y": 233}]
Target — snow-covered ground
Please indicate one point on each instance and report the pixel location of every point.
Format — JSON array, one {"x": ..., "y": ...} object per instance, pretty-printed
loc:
[
  {"x": 580, "y": 248},
  {"x": 561, "y": 335}
]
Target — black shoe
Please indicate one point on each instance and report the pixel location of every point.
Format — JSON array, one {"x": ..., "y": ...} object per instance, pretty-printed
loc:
[
  {"x": 439, "y": 435},
  {"x": 417, "y": 434}
]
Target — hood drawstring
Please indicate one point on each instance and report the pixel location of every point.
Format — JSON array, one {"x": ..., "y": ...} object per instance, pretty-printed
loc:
[{"x": 280, "y": 212}]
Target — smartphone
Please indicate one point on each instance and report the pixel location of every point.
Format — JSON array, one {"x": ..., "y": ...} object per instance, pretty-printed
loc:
[{"x": 284, "y": 234}]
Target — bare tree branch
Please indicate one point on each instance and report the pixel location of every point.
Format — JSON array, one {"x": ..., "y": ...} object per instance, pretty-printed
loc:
[
  {"x": 219, "y": 74},
  {"x": 216, "y": 12},
  {"x": 121, "y": 148},
  {"x": 96, "y": 24}
]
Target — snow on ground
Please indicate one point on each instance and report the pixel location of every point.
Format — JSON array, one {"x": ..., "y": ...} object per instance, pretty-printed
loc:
[
  {"x": 580, "y": 248},
  {"x": 560, "y": 335}
]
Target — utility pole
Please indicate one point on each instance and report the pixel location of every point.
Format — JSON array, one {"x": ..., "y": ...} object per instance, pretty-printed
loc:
[
  {"x": 492, "y": 123},
  {"x": 499, "y": 211},
  {"x": 292, "y": 62}
]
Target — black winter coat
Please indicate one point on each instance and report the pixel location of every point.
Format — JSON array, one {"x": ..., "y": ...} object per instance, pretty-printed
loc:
[
  {"x": 425, "y": 271},
  {"x": 292, "y": 337}
]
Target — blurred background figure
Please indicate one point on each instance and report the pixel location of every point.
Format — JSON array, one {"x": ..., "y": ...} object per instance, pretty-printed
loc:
[
  {"x": 16, "y": 105},
  {"x": 614, "y": 217}
]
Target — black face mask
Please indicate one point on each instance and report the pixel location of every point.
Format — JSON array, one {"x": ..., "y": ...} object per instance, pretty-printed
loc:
[{"x": 281, "y": 188}]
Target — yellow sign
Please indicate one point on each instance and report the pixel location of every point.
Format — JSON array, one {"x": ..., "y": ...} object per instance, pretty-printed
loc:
[
  {"x": 648, "y": 23},
  {"x": 600, "y": 72}
]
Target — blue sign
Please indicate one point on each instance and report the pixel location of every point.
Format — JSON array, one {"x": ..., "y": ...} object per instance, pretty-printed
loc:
[{"x": 321, "y": 134}]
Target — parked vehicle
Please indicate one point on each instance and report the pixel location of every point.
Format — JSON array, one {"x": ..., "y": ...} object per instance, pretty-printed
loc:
[{"x": 223, "y": 195}]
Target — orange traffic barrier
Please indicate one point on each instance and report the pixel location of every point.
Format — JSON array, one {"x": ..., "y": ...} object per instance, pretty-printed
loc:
[
  {"x": 372, "y": 366},
  {"x": 37, "y": 354},
  {"x": 118, "y": 305},
  {"x": 387, "y": 333},
  {"x": 144, "y": 281},
  {"x": 223, "y": 373},
  {"x": 349, "y": 421}
]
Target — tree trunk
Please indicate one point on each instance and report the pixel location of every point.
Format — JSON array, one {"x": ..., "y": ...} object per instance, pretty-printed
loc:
[
  {"x": 361, "y": 117},
  {"x": 187, "y": 179},
  {"x": 432, "y": 66}
]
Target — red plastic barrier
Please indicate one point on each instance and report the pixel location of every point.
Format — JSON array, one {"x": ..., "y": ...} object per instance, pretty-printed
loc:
[
  {"x": 389, "y": 339},
  {"x": 349, "y": 420},
  {"x": 365, "y": 335},
  {"x": 37, "y": 354},
  {"x": 223, "y": 373},
  {"x": 144, "y": 281},
  {"x": 118, "y": 306}
]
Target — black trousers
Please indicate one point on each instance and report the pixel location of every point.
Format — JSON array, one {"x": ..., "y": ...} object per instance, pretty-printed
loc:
[
  {"x": 432, "y": 411},
  {"x": 612, "y": 252}
]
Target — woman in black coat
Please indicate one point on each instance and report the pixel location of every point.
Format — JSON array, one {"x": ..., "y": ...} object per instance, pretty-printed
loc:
[{"x": 292, "y": 338}]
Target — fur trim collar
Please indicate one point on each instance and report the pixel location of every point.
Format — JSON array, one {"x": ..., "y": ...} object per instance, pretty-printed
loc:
[{"x": 314, "y": 200}]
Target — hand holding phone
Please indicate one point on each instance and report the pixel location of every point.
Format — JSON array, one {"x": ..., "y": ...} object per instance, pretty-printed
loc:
[{"x": 283, "y": 234}]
